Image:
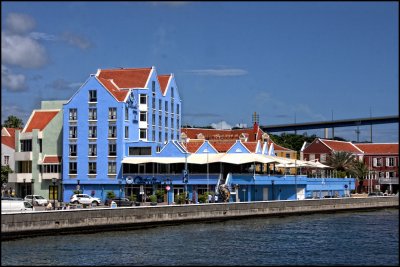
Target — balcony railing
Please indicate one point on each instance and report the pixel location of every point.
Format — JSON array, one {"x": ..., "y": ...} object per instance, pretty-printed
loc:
[{"x": 391, "y": 180}]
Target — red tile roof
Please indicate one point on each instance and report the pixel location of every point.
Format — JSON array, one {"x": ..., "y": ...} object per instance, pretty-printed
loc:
[
  {"x": 39, "y": 120},
  {"x": 120, "y": 95},
  {"x": 163, "y": 81},
  {"x": 215, "y": 134},
  {"x": 341, "y": 146},
  {"x": 51, "y": 160},
  {"x": 379, "y": 148},
  {"x": 222, "y": 147},
  {"x": 251, "y": 146},
  {"x": 117, "y": 81},
  {"x": 9, "y": 140},
  {"x": 127, "y": 78},
  {"x": 192, "y": 147}
]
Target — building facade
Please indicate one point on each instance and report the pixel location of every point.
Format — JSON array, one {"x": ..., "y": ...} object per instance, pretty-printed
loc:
[
  {"x": 7, "y": 156},
  {"x": 382, "y": 161},
  {"x": 115, "y": 114},
  {"x": 38, "y": 153}
]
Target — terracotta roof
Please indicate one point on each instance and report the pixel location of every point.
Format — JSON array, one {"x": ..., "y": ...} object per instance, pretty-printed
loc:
[
  {"x": 39, "y": 120},
  {"x": 379, "y": 148},
  {"x": 163, "y": 81},
  {"x": 215, "y": 134},
  {"x": 51, "y": 160},
  {"x": 9, "y": 140},
  {"x": 192, "y": 147},
  {"x": 117, "y": 81},
  {"x": 251, "y": 146},
  {"x": 127, "y": 78},
  {"x": 120, "y": 95},
  {"x": 341, "y": 146},
  {"x": 222, "y": 147}
]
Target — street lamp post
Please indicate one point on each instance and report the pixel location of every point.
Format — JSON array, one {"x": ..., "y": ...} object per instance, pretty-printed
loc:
[
  {"x": 54, "y": 180},
  {"x": 120, "y": 191},
  {"x": 32, "y": 182},
  {"x": 78, "y": 187},
  {"x": 185, "y": 172},
  {"x": 24, "y": 187},
  {"x": 208, "y": 176}
]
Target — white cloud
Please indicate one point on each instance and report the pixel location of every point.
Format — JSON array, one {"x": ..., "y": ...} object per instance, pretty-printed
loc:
[
  {"x": 61, "y": 84},
  {"x": 43, "y": 36},
  {"x": 219, "y": 72},
  {"x": 222, "y": 125},
  {"x": 76, "y": 40},
  {"x": 22, "y": 51},
  {"x": 12, "y": 82},
  {"x": 20, "y": 23}
]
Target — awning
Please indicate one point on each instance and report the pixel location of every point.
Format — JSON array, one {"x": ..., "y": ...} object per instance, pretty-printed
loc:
[
  {"x": 241, "y": 158},
  {"x": 204, "y": 158}
]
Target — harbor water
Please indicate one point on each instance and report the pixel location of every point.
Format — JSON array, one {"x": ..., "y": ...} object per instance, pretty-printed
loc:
[{"x": 343, "y": 238}]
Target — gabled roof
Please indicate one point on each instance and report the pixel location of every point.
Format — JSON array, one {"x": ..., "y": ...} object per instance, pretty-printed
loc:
[
  {"x": 117, "y": 81},
  {"x": 335, "y": 145},
  {"x": 215, "y": 134},
  {"x": 379, "y": 148},
  {"x": 251, "y": 146},
  {"x": 192, "y": 147},
  {"x": 163, "y": 81},
  {"x": 39, "y": 120},
  {"x": 8, "y": 136},
  {"x": 126, "y": 78},
  {"x": 222, "y": 147}
]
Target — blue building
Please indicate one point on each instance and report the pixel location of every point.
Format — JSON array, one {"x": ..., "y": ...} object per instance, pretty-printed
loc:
[
  {"x": 122, "y": 133},
  {"x": 116, "y": 113}
]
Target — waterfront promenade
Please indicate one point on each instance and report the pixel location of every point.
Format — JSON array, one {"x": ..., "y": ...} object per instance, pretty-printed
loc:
[{"x": 15, "y": 225}]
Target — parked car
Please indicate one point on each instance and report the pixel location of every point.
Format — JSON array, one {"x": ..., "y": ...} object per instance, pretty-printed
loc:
[
  {"x": 84, "y": 199},
  {"x": 37, "y": 200},
  {"x": 121, "y": 202},
  {"x": 15, "y": 206}
]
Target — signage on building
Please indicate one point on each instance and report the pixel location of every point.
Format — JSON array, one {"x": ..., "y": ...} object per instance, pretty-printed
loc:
[{"x": 129, "y": 180}]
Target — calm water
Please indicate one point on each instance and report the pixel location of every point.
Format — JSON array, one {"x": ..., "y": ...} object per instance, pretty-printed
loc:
[{"x": 351, "y": 238}]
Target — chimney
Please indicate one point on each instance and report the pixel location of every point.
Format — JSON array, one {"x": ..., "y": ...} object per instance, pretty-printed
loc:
[{"x": 255, "y": 125}]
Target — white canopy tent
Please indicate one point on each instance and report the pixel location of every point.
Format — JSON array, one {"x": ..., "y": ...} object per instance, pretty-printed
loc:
[
  {"x": 204, "y": 158},
  {"x": 233, "y": 158}
]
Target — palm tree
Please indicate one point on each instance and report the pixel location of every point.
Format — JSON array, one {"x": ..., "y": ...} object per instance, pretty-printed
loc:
[
  {"x": 359, "y": 170},
  {"x": 341, "y": 161}
]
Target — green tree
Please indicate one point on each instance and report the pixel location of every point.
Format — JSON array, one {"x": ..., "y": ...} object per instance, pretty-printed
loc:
[
  {"x": 359, "y": 170},
  {"x": 292, "y": 141},
  {"x": 110, "y": 194},
  {"x": 13, "y": 122},
  {"x": 341, "y": 161},
  {"x": 5, "y": 170}
]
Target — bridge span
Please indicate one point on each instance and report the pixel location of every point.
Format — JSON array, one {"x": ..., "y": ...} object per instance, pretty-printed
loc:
[{"x": 330, "y": 124}]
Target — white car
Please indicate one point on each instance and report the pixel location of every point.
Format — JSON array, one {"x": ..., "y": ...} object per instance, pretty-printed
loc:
[
  {"x": 84, "y": 199},
  {"x": 37, "y": 200}
]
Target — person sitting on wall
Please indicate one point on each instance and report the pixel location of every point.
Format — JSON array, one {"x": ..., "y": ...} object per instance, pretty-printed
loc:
[{"x": 49, "y": 206}]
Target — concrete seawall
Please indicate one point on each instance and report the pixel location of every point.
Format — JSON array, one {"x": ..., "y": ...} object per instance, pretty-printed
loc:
[{"x": 17, "y": 225}]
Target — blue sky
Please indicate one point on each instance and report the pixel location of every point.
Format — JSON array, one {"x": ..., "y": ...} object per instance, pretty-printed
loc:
[{"x": 287, "y": 61}]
